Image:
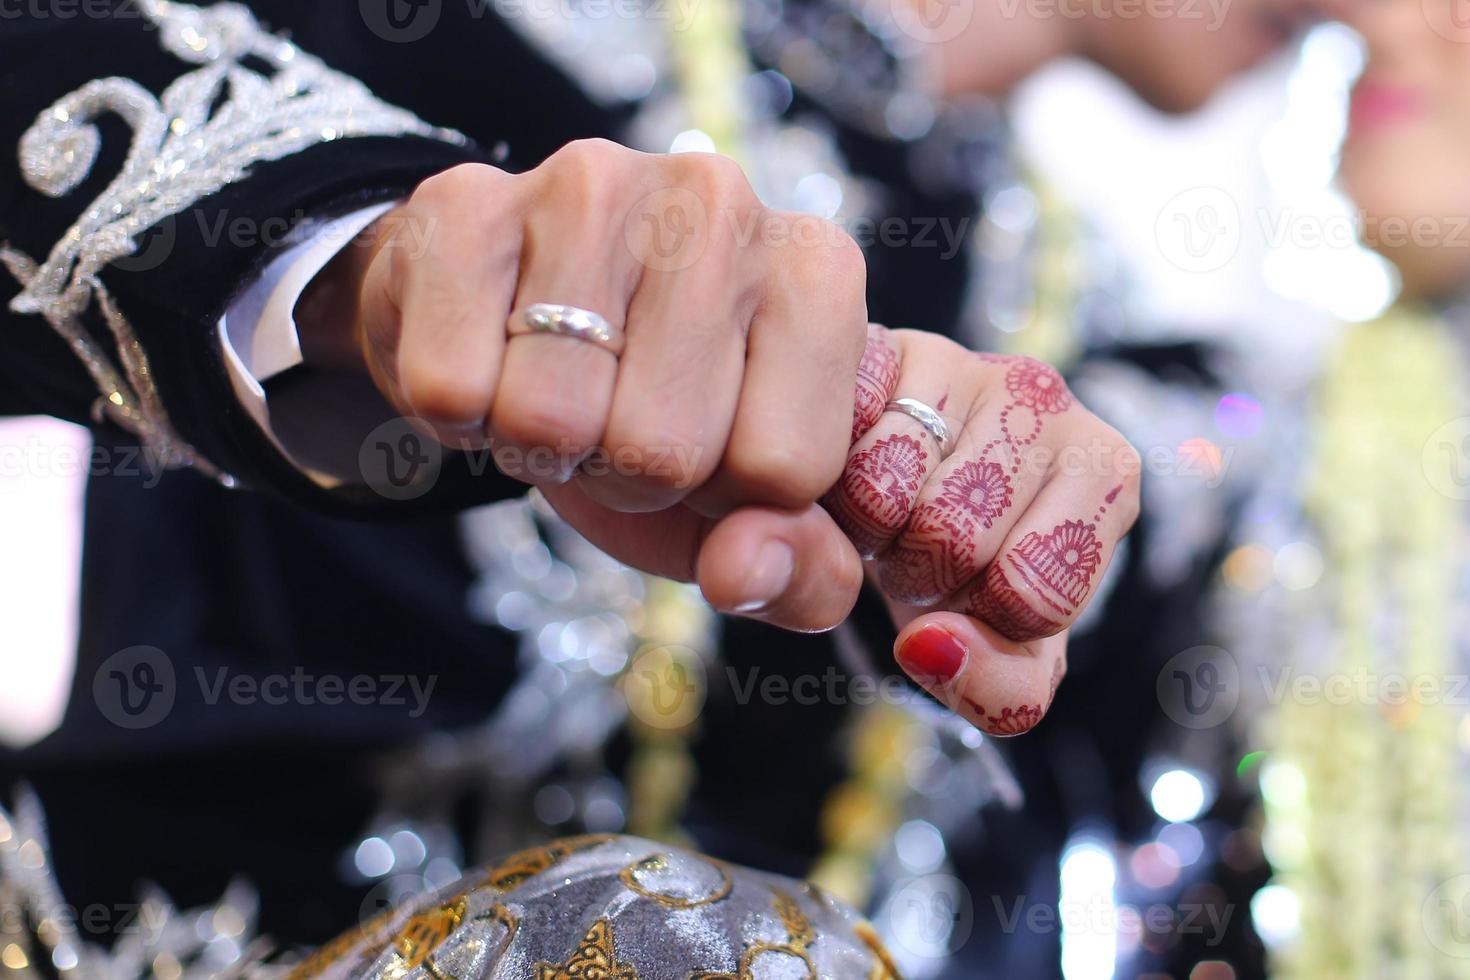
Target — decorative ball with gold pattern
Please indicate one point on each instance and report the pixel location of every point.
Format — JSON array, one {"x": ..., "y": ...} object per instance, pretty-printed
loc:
[{"x": 611, "y": 908}]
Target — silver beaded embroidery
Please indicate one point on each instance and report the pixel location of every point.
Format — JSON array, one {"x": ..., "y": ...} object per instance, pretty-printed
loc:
[
  {"x": 208, "y": 129},
  {"x": 42, "y": 935}
]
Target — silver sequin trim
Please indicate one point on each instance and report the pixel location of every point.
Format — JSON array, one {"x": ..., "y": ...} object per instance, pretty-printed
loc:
[{"x": 208, "y": 129}]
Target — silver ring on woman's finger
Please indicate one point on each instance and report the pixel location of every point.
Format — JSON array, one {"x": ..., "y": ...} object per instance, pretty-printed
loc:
[
  {"x": 569, "y": 321},
  {"x": 927, "y": 417}
]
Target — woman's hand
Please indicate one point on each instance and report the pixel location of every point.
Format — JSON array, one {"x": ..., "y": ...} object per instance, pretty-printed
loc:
[{"x": 989, "y": 553}]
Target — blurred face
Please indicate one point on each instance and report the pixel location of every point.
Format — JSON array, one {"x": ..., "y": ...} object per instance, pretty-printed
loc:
[
  {"x": 1406, "y": 161},
  {"x": 1176, "y": 54}
]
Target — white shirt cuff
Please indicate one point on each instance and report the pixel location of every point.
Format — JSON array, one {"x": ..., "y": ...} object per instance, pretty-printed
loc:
[{"x": 258, "y": 336}]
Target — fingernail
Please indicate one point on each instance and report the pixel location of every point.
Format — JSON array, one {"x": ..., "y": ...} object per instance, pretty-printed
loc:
[
  {"x": 770, "y": 576},
  {"x": 932, "y": 656}
]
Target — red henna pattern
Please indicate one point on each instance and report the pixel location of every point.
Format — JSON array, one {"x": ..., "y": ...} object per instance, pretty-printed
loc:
[
  {"x": 873, "y": 501},
  {"x": 1014, "y": 721},
  {"x": 997, "y": 602},
  {"x": 876, "y": 381},
  {"x": 1037, "y": 386},
  {"x": 940, "y": 548},
  {"x": 1111, "y": 499},
  {"x": 1014, "y": 441},
  {"x": 978, "y": 492},
  {"x": 912, "y": 571},
  {"x": 1056, "y": 569},
  {"x": 1010, "y": 722}
]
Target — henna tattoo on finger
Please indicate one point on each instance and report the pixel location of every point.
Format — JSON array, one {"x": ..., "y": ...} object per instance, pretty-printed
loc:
[
  {"x": 1108, "y": 501},
  {"x": 1039, "y": 389},
  {"x": 941, "y": 548},
  {"x": 877, "y": 379},
  {"x": 975, "y": 495},
  {"x": 911, "y": 570},
  {"x": 876, "y": 494},
  {"x": 1037, "y": 587},
  {"x": 940, "y": 551},
  {"x": 1038, "y": 386},
  {"x": 1014, "y": 721},
  {"x": 1010, "y": 722}
]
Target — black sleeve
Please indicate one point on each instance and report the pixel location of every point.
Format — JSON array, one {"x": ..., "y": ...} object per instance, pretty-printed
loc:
[{"x": 189, "y": 267}]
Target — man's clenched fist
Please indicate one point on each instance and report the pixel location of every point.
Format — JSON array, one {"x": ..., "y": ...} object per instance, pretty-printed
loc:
[{"x": 731, "y": 387}]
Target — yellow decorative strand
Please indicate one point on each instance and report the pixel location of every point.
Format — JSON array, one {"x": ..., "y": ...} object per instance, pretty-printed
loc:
[
  {"x": 1050, "y": 331},
  {"x": 711, "y": 64},
  {"x": 1380, "y": 824},
  {"x": 861, "y": 814},
  {"x": 665, "y": 688}
]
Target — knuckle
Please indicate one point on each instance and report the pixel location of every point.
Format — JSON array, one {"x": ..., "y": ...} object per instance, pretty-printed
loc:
[
  {"x": 1129, "y": 460},
  {"x": 1122, "y": 463},
  {"x": 833, "y": 257},
  {"x": 816, "y": 260},
  {"x": 844, "y": 255},
  {"x": 541, "y": 421},
  {"x": 1018, "y": 612},
  {"x": 441, "y": 392},
  {"x": 451, "y": 188},
  {"x": 718, "y": 179},
  {"x": 402, "y": 264},
  {"x": 661, "y": 455},
  {"x": 1129, "y": 502},
  {"x": 587, "y": 161},
  {"x": 589, "y": 178},
  {"x": 781, "y": 470},
  {"x": 933, "y": 351},
  {"x": 1036, "y": 370},
  {"x": 588, "y": 153}
]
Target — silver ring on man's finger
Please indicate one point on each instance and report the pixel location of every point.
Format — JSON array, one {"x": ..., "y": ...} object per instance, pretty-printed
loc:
[{"x": 569, "y": 321}]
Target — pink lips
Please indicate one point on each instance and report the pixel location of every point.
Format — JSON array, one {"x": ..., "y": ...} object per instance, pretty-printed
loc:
[{"x": 1376, "y": 105}]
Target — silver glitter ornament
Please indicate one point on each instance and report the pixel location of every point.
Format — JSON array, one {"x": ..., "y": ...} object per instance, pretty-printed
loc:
[{"x": 205, "y": 133}]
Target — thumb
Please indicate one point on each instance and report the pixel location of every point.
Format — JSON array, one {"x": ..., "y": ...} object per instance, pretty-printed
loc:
[
  {"x": 1002, "y": 687},
  {"x": 793, "y": 569}
]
